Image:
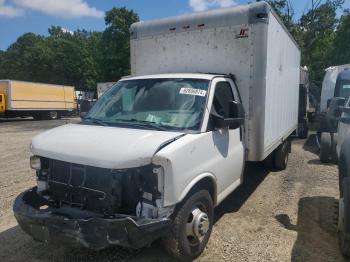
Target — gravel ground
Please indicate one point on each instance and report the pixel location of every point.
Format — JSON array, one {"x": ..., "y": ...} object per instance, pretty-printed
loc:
[{"x": 273, "y": 216}]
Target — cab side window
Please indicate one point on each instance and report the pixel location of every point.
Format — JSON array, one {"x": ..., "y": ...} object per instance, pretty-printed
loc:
[{"x": 222, "y": 98}]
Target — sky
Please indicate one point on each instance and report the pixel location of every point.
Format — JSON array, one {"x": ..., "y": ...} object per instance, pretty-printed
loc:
[{"x": 20, "y": 16}]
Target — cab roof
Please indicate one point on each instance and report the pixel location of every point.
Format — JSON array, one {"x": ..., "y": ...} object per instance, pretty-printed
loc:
[{"x": 176, "y": 75}]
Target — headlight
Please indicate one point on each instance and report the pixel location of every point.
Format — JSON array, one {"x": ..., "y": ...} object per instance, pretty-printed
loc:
[{"x": 35, "y": 163}]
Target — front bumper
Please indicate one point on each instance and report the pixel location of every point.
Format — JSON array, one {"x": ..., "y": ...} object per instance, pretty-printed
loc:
[{"x": 47, "y": 225}]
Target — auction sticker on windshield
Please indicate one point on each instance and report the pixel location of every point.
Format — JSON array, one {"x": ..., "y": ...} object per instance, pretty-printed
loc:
[{"x": 192, "y": 91}]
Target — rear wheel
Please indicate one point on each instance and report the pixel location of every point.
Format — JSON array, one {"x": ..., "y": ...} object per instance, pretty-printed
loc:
[
  {"x": 38, "y": 116},
  {"x": 269, "y": 162},
  {"x": 53, "y": 115},
  {"x": 192, "y": 227},
  {"x": 344, "y": 218},
  {"x": 326, "y": 147},
  {"x": 282, "y": 156}
]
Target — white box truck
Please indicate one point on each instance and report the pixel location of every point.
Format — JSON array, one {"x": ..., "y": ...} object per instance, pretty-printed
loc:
[{"x": 162, "y": 148}]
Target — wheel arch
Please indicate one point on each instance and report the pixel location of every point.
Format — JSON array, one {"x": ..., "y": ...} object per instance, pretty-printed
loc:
[{"x": 205, "y": 181}]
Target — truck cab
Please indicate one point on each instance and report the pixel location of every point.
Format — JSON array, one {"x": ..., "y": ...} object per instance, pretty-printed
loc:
[
  {"x": 328, "y": 130},
  {"x": 156, "y": 139}
]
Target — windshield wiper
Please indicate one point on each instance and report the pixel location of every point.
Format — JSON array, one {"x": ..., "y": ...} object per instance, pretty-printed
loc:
[
  {"x": 143, "y": 123},
  {"x": 96, "y": 121}
]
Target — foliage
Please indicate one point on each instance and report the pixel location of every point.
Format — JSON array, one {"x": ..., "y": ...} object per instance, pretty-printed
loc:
[
  {"x": 340, "y": 50},
  {"x": 79, "y": 58},
  {"x": 316, "y": 32},
  {"x": 115, "y": 44}
]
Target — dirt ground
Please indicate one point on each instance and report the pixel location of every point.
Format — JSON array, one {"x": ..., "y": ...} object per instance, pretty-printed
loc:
[{"x": 273, "y": 216}]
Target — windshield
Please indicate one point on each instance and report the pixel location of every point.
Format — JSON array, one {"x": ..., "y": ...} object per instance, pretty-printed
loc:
[{"x": 159, "y": 104}]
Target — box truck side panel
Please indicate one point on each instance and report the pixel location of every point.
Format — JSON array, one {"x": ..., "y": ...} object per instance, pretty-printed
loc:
[
  {"x": 282, "y": 85},
  {"x": 32, "y": 96},
  {"x": 69, "y": 96}
]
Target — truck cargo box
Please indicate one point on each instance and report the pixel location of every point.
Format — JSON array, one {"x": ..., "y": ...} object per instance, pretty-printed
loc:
[
  {"x": 249, "y": 42},
  {"x": 22, "y": 96}
]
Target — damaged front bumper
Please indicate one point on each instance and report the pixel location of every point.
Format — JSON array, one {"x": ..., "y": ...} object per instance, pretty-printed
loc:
[{"x": 48, "y": 225}]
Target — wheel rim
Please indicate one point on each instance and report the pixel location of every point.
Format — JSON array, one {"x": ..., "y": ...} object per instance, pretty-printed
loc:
[
  {"x": 53, "y": 115},
  {"x": 197, "y": 226}
]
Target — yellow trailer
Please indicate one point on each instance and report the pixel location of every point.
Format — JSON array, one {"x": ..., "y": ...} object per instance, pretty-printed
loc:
[{"x": 42, "y": 101}]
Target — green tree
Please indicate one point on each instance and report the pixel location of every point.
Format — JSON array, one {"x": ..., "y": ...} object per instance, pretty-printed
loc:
[
  {"x": 314, "y": 32},
  {"x": 73, "y": 58},
  {"x": 115, "y": 44},
  {"x": 26, "y": 59},
  {"x": 340, "y": 51},
  {"x": 318, "y": 26}
]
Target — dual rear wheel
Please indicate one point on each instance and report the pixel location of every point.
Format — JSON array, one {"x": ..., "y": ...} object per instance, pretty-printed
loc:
[
  {"x": 49, "y": 115},
  {"x": 278, "y": 159}
]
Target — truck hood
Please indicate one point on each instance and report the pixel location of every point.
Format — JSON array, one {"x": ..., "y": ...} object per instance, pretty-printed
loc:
[{"x": 99, "y": 146}]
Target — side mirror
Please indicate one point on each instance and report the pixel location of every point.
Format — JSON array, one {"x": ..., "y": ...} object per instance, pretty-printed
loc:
[
  {"x": 236, "y": 110},
  {"x": 235, "y": 120},
  {"x": 336, "y": 106}
]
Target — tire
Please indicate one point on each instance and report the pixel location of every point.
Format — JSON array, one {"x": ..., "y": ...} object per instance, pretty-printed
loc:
[
  {"x": 344, "y": 219},
  {"x": 334, "y": 147},
  {"x": 282, "y": 156},
  {"x": 53, "y": 115},
  {"x": 325, "y": 147},
  {"x": 183, "y": 242},
  {"x": 269, "y": 161},
  {"x": 38, "y": 116}
]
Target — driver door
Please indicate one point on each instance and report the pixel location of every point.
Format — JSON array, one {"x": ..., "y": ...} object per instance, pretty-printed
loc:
[{"x": 227, "y": 142}]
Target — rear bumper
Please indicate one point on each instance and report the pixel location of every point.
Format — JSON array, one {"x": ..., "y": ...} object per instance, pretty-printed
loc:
[{"x": 93, "y": 232}]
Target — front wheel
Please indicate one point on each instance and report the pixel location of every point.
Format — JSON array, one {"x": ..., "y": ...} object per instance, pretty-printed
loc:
[
  {"x": 192, "y": 227},
  {"x": 325, "y": 147}
]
